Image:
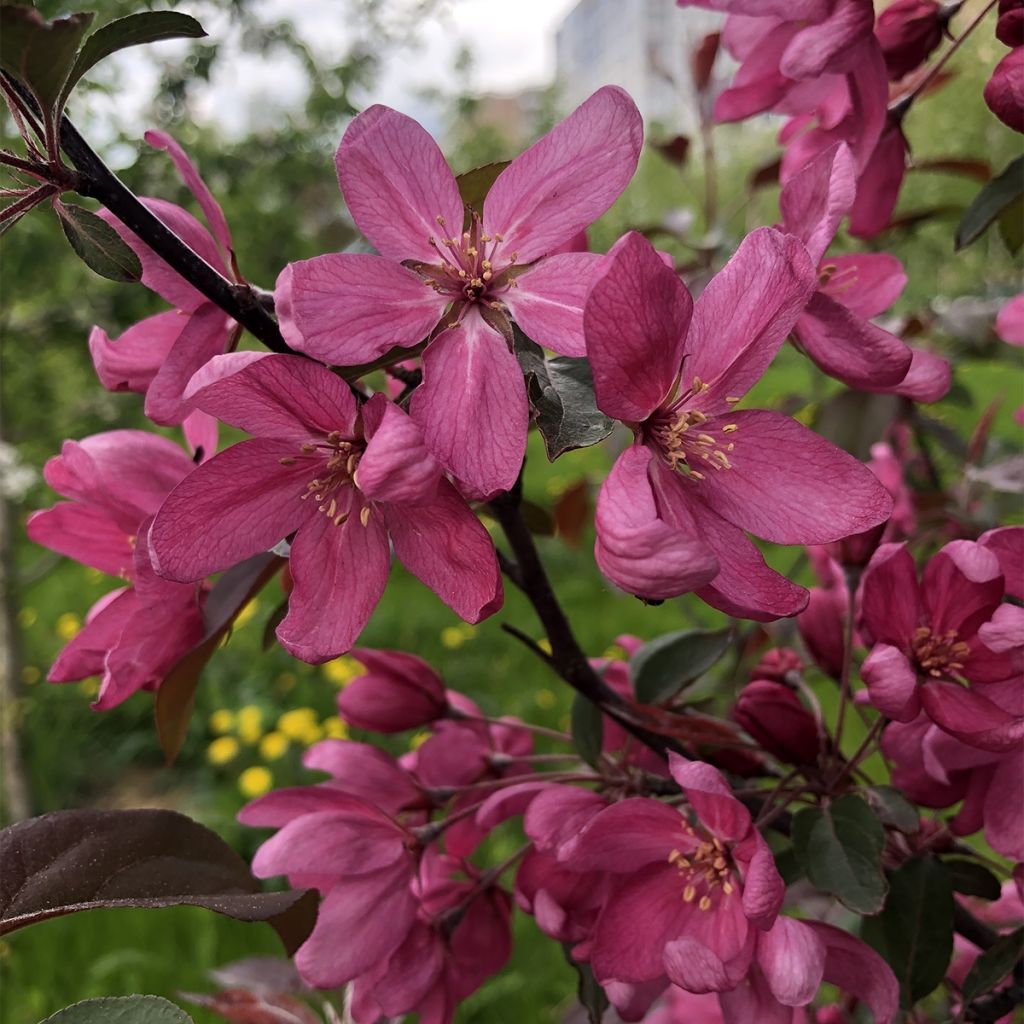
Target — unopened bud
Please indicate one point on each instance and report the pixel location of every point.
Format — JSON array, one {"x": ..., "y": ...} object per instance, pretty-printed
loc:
[
  {"x": 908, "y": 31},
  {"x": 773, "y": 715},
  {"x": 398, "y": 692}
]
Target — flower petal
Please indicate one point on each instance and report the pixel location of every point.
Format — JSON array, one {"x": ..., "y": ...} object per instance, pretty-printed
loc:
[
  {"x": 971, "y": 717},
  {"x": 396, "y": 466},
  {"x": 636, "y": 318},
  {"x": 472, "y": 407},
  {"x": 695, "y": 968},
  {"x": 1005, "y": 630},
  {"x": 397, "y": 185},
  {"x": 1007, "y": 543},
  {"x": 891, "y": 603},
  {"x": 84, "y": 533},
  {"x": 856, "y": 968},
  {"x": 350, "y": 308},
  {"x": 962, "y": 587},
  {"x": 626, "y": 837},
  {"x": 928, "y": 379},
  {"x": 84, "y": 655},
  {"x": 130, "y": 362},
  {"x": 567, "y": 179},
  {"x": 711, "y": 798},
  {"x": 866, "y": 282},
  {"x": 892, "y": 683},
  {"x": 815, "y": 200}
]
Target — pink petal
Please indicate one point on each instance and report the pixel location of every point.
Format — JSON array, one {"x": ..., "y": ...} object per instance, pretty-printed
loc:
[
  {"x": 867, "y": 283},
  {"x": 814, "y": 201},
  {"x": 783, "y": 483},
  {"x": 555, "y": 818},
  {"x": 275, "y": 396},
  {"x": 205, "y": 334},
  {"x": 365, "y": 772},
  {"x": 830, "y": 45},
  {"x": 745, "y": 313},
  {"x": 339, "y": 574},
  {"x": 628, "y": 836},
  {"x": 962, "y": 586},
  {"x": 414, "y": 968},
  {"x": 710, "y": 797},
  {"x": 201, "y": 431},
  {"x": 763, "y": 888},
  {"x": 892, "y": 683},
  {"x": 472, "y": 407},
  {"x": 850, "y": 348},
  {"x": 971, "y": 717},
  {"x": 444, "y": 545},
  {"x": 243, "y": 501},
  {"x": 130, "y": 362},
  {"x": 211, "y": 208},
  {"x": 564, "y": 182},
  {"x": 1007, "y": 543},
  {"x": 84, "y": 533},
  {"x": 547, "y": 301},
  {"x": 397, "y": 185},
  {"x": 1004, "y": 91},
  {"x": 86, "y": 653},
  {"x": 396, "y": 466},
  {"x": 695, "y": 968},
  {"x": 1004, "y": 824},
  {"x": 277, "y": 808},
  {"x": 891, "y": 604},
  {"x": 508, "y": 802},
  {"x": 856, "y": 968},
  {"x": 350, "y": 308},
  {"x": 754, "y": 1001},
  {"x": 928, "y": 379},
  {"x": 879, "y": 185},
  {"x": 1010, "y": 321},
  {"x": 635, "y": 548},
  {"x": 758, "y": 85},
  {"x": 636, "y": 318},
  {"x": 792, "y": 957},
  {"x": 1005, "y": 630}
]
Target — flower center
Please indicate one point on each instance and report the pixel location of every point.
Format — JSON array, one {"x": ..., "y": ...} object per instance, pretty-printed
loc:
[
  {"x": 334, "y": 486},
  {"x": 687, "y": 443},
  {"x": 703, "y": 872},
  {"x": 939, "y": 654},
  {"x": 468, "y": 269}
]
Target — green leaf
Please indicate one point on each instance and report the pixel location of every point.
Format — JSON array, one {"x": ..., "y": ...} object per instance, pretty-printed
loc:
[
  {"x": 135, "y": 30},
  {"x": 539, "y": 520},
  {"x": 38, "y": 52},
  {"x": 894, "y": 808},
  {"x": 587, "y": 727},
  {"x": 561, "y": 392},
  {"x": 917, "y": 926},
  {"x": 98, "y": 245},
  {"x": 840, "y": 848},
  {"x": 973, "y": 879},
  {"x": 990, "y": 202},
  {"x": 590, "y": 994},
  {"x": 1011, "y": 225},
  {"x": 475, "y": 184},
  {"x": 121, "y": 1010},
  {"x": 663, "y": 667},
  {"x": 993, "y": 965}
]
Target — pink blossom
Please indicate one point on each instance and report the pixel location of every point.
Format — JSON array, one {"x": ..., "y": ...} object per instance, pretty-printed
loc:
[
  {"x": 1010, "y": 319},
  {"x": 398, "y": 692},
  {"x": 158, "y": 355},
  {"x": 908, "y": 31},
  {"x": 1004, "y": 91},
  {"x": 926, "y": 637},
  {"x": 459, "y": 288},
  {"x": 685, "y": 899},
  {"x": 1010, "y": 26},
  {"x": 344, "y": 479},
  {"x": 1007, "y": 544},
  {"x": 133, "y": 636},
  {"x": 777, "y": 664},
  {"x": 836, "y": 330},
  {"x": 672, "y": 513},
  {"x": 772, "y": 713}
]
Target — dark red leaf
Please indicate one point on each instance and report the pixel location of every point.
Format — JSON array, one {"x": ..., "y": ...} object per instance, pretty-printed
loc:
[
  {"x": 244, "y": 1007},
  {"x": 702, "y": 60}
]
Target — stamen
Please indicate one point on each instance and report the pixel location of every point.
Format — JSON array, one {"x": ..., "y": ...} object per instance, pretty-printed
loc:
[{"x": 364, "y": 515}]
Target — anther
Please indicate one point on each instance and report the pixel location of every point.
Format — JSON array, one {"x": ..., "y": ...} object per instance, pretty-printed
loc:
[
  {"x": 689, "y": 894},
  {"x": 729, "y": 428},
  {"x": 705, "y": 903},
  {"x": 364, "y": 515},
  {"x": 731, "y": 399},
  {"x": 287, "y": 461}
]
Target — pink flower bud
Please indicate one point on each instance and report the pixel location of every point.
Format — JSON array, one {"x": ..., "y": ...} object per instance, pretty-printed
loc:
[
  {"x": 398, "y": 692},
  {"x": 776, "y": 663},
  {"x": 908, "y": 31},
  {"x": 1004, "y": 92},
  {"x": 1010, "y": 27},
  {"x": 773, "y": 715},
  {"x": 857, "y": 549},
  {"x": 821, "y": 628}
]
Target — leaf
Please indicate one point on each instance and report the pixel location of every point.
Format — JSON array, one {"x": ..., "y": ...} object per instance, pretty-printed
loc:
[
  {"x": 587, "y": 727},
  {"x": 590, "y": 994},
  {"x": 561, "y": 391},
  {"x": 121, "y": 1010},
  {"x": 855, "y": 420},
  {"x": 894, "y": 809},
  {"x": 993, "y": 965},
  {"x": 663, "y": 667},
  {"x": 572, "y": 512},
  {"x": 475, "y": 184},
  {"x": 98, "y": 245},
  {"x": 702, "y": 60},
  {"x": 990, "y": 202},
  {"x": 1011, "y": 225},
  {"x": 38, "y": 52},
  {"x": 840, "y": 848},
  {"x": 244, "y": 1007},
  {"x": 674, "y": 150},
  {"x": 68, "y": 861},
  {"x": 539, "y": 520},
  {"x": 134, "y": 30},
  {"x": 260, "y": 974},
  {"x": 917, "y": 927},
  {"x": 177, "y": 693},
  {"x": 972, "y": 879}
]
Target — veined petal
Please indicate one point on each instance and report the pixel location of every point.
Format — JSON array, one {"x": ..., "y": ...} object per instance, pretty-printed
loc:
[
  {"x": 891, "y": 603},
  {"x": 1004, "y": 824},
  {"x": 243, "y": 501},
  {"x": 695, "y": 968},
  {"x": 86, "y": 652},
  {"x": 892, "y": 683},
  {"x": 745, "y": 313},
  {"x": 567, "y": 179},
  {"x": 445, "y": 546},
  {"x": 547, "y": 301},
  {"x": 130, "y": 362},
  {"x": 792, "y": 957},
  {"x": 397, "y": 185},
  {"x": 928, "y": 379},
  {"x": 636, "y": 548},
  {"x": 84, "y": 533},
  {"x": 856, "y": 968},
  {"x": 850, "y": 348},
  {"x": 472, "y": 407},
  {"x": 1007, "y": 543},
  {"x": 277, "y": 396},
  {"x": 971, "y": 717},
  {"x": 636, "y": 318},
  {"x": 627, "y": 836},
  {"x": 710, "y": 797},
  {"x": 339, "y": 574},
  {"x": 815, "y": 200},
  {"x": 350, "y": 308},
  {"x": 962, "y": 586},
  {"x": 396, "y": 466},
  {"x": 867, "y": 283},
  {"x": 790, "y": 486},
  {"x": 831, "y": 44}
]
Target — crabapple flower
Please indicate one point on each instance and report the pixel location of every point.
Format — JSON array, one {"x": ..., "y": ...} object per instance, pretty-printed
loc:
[
  {"x": 686, "y": 898},
  {"x": 458, "y": 286},
  {"x": 344, "y": 479},
  {"x": 1004, "y": 91},
  {"x": 158, "y": 355},
  {"x": 398, "y": 692},
  {"x": 672, "y": 513},
  {"x": 908, "y": 31},
  {"x": 929, "y": 636},
  {"x": 772, "y": 713},
  {"x": 133, "y": 636},
  {"x": 835, "y": 330},
  {"x": 1010, "y": 320}
]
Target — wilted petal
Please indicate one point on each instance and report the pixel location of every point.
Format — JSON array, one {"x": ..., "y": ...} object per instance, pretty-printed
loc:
[
  {"x": 350, "y": 308},
  {"x": 567, "y": 179},
  {"x": 636, "y": 318},
  {"x": 130, "y": 362},
  {"x": 472, "y": 407},
  {"x": 815, "y": 200},
  {"x": 892, "y": 683}
]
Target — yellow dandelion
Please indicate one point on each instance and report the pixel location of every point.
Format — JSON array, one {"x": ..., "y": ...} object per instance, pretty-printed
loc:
[
  {"x": 341, "y": 671},
  {"x": 615, "y": 653},
  {"x": 27, "y": 618},
  {"x": 246, "y": 614},
  {"x": 222, "y": 750},
  {"x": 68, "y": 626},
  {"x": 556, "y": 486},
  {"x": 90, "y": 687},
  {"x": 249, "y": 724},
  {"x": 30, "y": 675},
  {"x": 452, "y": 638},
  {"x": 255, "y": 781},
  {"x": 297, "y": 723},
  {"x": 286, "y": 681},
  {"x": 273, "y": 746},
  {"x": 418, "y": 739},
  {"x": 222, "y": 721},
  {"x": 335, "y": 728},
  {"x": 545, "y": 699}
]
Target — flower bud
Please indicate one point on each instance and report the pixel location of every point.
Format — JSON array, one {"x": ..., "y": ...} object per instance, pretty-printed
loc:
[
  {"x": 776, "y": 663},
  {"x": 821, "y": 628},
  {"x": 908, "y": 31},
  {"x": 1010, "y": 26},
  {"x": 857, "y": 549},
  {"x": 773, "y": 715},
  {"x": 398, "y": 692}
]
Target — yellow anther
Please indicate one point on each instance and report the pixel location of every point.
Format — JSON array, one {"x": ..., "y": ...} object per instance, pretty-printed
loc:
[
  {"x": 307, "y": 447},
  {"x": 705, "y": 903},
  {"x": 695, "y": 473},
  {"x": 727, "y": 888},
  {"x": 689, "y": 894},
  {"x": 731, "y": 399},
  {"x": 364, "y": 515},
  {"x": 729, "y": 428},
  {"x": 287, "y": 461},
  {"x": 440, "y": 220},
  {"x": 705, "y": 439}
]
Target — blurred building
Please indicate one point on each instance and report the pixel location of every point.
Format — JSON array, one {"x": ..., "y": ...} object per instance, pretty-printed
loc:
[{"x": 642, "y": 45}]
